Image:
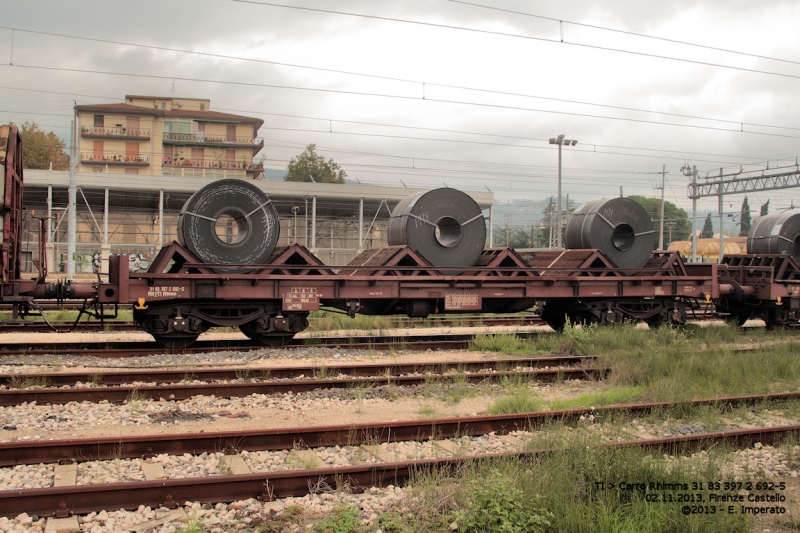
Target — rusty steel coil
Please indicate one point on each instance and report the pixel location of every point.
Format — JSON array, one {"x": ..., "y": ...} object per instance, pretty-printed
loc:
[
  {"x": 775, "y": 234},
  {"x": 229, "y": 222},
  {"x": 445, "y": 226},
  {"x": 619, "y": 227}
]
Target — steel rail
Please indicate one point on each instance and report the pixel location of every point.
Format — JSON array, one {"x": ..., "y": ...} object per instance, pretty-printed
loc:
[
  {"x": 286, "y": 372},
  {"x": 82, "y": 327},
  {"x": 126, "y": 325},
  {"x": 145, "y": 348},
  {"x": 120, "y": 394},
  {"x": 128, "y": 447},
  {"x": 268, "y": 485}
]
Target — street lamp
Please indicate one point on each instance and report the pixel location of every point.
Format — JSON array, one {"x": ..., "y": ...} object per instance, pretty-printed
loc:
[{"x": 567, "y": 142}]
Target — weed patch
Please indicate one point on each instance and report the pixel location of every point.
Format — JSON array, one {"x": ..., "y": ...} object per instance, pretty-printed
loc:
[
  {"x": 343, "y": 519},
  {"x": 521, "y": 401},
  {"x": 614, "y": 396}
]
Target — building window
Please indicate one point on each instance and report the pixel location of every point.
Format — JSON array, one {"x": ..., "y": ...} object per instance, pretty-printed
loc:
[
  {"x": 131, "y": 171},
  {"x": 202, "y": 107},
  {"x": 178, "y": 126},
  {"x": 99, "y": 121},
  {"x": 163, "y": 105},
  {"x": 131, "y": 151}
]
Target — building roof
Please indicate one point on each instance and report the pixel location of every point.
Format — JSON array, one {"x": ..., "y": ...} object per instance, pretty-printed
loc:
[
  {"x": 141, "y": 97},
  {"x": 211, "y": 116},
  {"x": 276, "y": 189},
  {"x": 120, "y": 108},
  {"x": 174, "y": 113}
]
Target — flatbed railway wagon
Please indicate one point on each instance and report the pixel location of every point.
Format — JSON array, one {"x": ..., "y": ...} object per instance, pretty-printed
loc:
[{"x": 436, "y": 263}]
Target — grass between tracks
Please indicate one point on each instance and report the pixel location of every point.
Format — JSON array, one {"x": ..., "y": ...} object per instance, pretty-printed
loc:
[
  {"x": 671, "y": 364},
  {"x": 559, "y": 491},
  {"x": 564, "y": 491}
]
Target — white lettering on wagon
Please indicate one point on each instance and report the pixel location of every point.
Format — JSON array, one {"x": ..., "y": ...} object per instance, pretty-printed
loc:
[
  {"x": 165, "y": 291},
  {"x": 301, "y": 299}
]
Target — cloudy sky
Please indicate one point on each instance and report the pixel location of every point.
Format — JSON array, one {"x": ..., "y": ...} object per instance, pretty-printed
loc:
[{"x": 431, "y": 92}]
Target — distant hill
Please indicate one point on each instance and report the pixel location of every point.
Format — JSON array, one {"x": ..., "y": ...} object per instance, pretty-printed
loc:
[{"x": 274, "y": 174}]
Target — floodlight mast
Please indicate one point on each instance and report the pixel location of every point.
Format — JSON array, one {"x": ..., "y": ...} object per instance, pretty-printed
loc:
[{"x": 568, "y": 142}]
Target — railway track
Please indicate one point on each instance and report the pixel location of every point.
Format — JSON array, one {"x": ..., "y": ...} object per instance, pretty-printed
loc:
[
  {"x": 117, "y": 349},
  {"x": 269, "y": 484},
  {"x": 289, "y": 372},
  {"x": 121, "y": 386},
  {"x": 37, "y": 326},
  {"x": 399, "y": 322}
]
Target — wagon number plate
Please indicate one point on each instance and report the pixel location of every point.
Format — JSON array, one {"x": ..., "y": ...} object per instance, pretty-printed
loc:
[
  {"x": 462, "y": 301},
  {"x": 301, "y": 299}
]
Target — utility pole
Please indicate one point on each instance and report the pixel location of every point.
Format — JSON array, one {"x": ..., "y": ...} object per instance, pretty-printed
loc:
[
  {"x": 71, "y": 212},
  {"x": 661, "y": 226},
  {"x": 686, "y": 172}
]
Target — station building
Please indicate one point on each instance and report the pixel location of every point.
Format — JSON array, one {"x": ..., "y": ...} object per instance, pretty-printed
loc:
[{"x": 139, "y": 161}]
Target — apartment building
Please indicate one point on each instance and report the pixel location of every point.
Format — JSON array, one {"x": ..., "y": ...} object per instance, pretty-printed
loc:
[{"x": 168, "y": 136}]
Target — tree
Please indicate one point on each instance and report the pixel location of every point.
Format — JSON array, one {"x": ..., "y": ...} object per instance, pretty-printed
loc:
[
  {"x": 744, "y": 225},
  {"x": 39, "y": 149},
  {"x": 708, "y": 228},
  {"x": 309, "y": 166},
  {"x": 683, "y": 227},
  {"x": 765, "y": 209},
  {"x": 516, "y": 237}
]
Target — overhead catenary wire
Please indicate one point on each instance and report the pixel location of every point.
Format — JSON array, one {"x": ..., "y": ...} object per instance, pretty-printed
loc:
[
  {"x": 398, "y": 79},
  {"x": 627, "y": 32},
  {"x": 483, "y": 134},
  {"x": 514, "y": 35},
  {"x": 397, "y": 96}
]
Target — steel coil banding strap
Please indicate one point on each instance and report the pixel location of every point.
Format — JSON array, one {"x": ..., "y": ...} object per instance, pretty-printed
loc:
[
  {"x": 445, "y": 226},
  {"x": 775, "y": 234},
  {"x": 618, "y": 227},
  {"x": 229, "y": 222}
]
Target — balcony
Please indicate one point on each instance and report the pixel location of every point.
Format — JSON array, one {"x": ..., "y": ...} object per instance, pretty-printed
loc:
[
  {"x": 91, "y": 158},
  {"x": 115, "y": 133},
  {"x": 208, "y": 173},
  {"x": 213, "y": 164},
  {"x": 211, "y": 140}
]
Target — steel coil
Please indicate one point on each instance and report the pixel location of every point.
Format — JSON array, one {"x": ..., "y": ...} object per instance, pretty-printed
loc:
[
  {"x": 775, "y": 234},
  {"x": 229, "y": 222},
  {"x": 445, "y": 226},
  {"x": 618, "y": 227}
]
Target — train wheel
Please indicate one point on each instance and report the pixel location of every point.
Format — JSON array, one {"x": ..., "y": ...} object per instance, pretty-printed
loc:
[
  {"x": 555, "y": 319},
  {"x": 271, "y": 339},
  {"x": 737, "y": 319},
  {"x": 174, "y": 341},
  {"x": 267, "y": 339},
  {"x": 776, "y": 319},
  {"x": 658, "y": 320}
]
